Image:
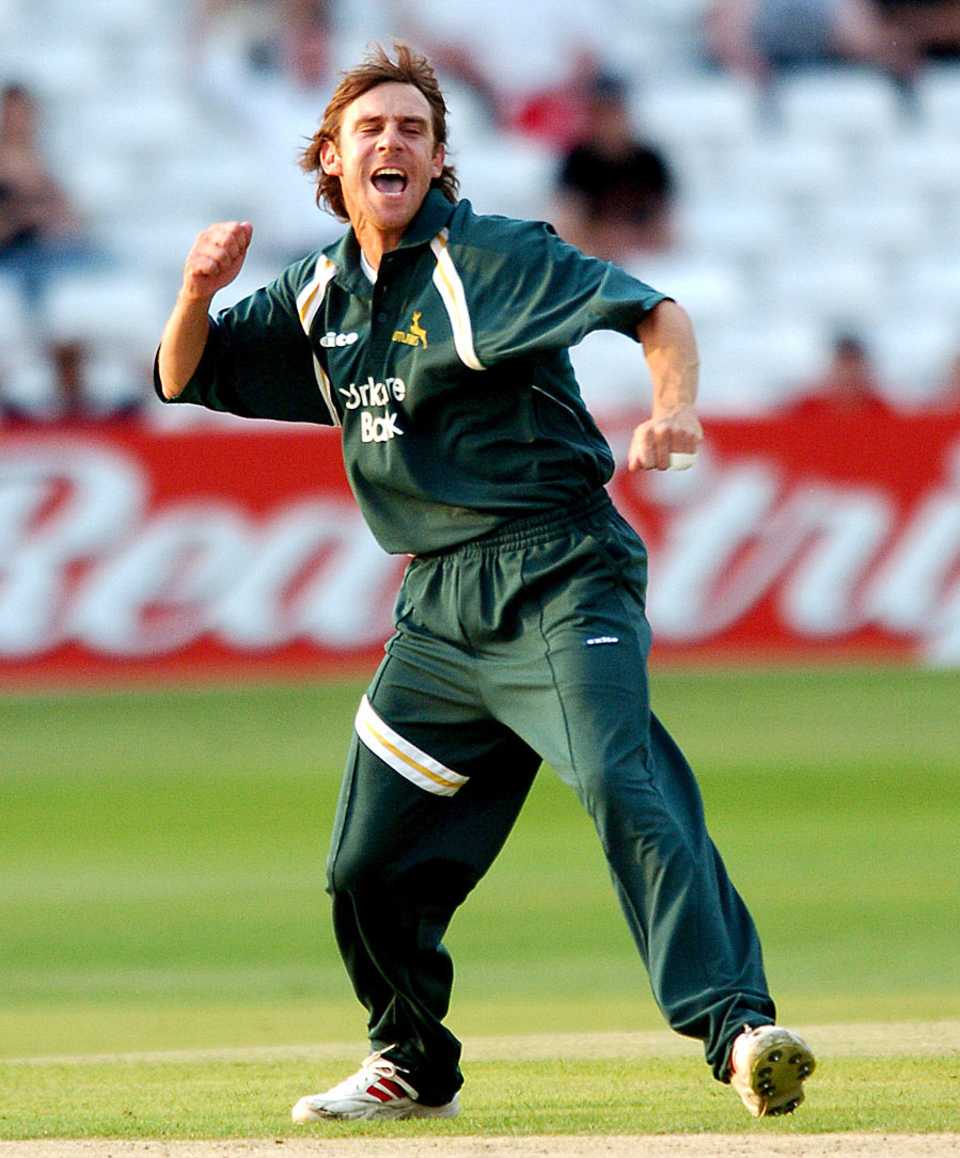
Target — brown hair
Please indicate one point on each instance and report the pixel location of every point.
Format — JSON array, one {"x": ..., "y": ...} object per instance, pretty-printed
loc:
[{"x": 377, "y": 68}]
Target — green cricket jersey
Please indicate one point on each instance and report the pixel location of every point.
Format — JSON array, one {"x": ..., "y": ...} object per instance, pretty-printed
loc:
[{"x": 449, "y": 376}]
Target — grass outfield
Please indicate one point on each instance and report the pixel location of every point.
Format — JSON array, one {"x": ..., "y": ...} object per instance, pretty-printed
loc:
[
  {"x": 161, "y": 889},
  {"x": 655, "y": 1095}
]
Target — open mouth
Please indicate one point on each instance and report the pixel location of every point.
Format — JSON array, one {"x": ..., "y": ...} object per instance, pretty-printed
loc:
[{"x": 389, "y": 180}]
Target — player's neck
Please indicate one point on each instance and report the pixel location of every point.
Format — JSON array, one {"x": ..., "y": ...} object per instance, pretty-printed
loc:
[{"x": 374, "y": 243}]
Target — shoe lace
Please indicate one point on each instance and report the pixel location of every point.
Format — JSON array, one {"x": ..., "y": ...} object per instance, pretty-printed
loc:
[{"x": 377, "y": 1066}]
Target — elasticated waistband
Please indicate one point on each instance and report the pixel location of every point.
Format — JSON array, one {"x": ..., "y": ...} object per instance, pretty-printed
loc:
[{"x": 539, "y": 528}]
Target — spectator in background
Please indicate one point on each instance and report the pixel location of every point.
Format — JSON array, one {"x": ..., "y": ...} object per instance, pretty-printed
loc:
[
  {"x": 40, "y": 236},
  {"x": 268, "y": 64},
  {"x": 39, "y": 228},
  {"x": 262, "y": 41},
  {"x": 614, "y": 192},
  {"x": 762, "y": 39},
  {"x": 530, "y": 64},
  {"x": 246, "y": 30},
  {"x": 67, "y": 395},
  {"x": 848, "y": 387},
  {"x": 306, "y": 43},
  {"x": 931, "y": 28}
]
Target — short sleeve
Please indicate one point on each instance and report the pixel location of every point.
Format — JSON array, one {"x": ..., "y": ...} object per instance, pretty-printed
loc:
[
  {"x": 258, "y": 361},
  {"x": 540, "y": 294}
]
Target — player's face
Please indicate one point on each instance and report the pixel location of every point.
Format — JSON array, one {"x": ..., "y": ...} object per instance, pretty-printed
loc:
[{"x": 385, "y": 158}]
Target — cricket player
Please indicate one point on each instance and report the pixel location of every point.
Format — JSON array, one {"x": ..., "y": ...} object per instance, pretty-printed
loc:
[{"x": 437, "y": 341}]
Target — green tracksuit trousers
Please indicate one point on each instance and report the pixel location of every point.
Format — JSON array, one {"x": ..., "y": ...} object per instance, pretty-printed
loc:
[{"x": 529, "y": 644}]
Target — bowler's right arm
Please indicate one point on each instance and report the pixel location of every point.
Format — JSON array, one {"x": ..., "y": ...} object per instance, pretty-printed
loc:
[{"x": 214, "y": 260}]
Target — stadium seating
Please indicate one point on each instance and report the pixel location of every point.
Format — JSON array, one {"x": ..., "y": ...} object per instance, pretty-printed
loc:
[
  {"x": 913, "y": 352},
  {"x": 13, "y": 315},
  {"x": 843, "y": 289},
  {"x": 938, "y": 100},
  {"x": 856, "y": 108},
  {"x": 823, "y": 204},
  {"x": 719, "y": 111},
  {"x": 117, "y": 317}
]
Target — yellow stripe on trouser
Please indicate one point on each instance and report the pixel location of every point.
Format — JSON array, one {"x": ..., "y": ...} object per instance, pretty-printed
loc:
[
  {"x": 404, "y": 757},
  {"x": 412, "y": 763}
]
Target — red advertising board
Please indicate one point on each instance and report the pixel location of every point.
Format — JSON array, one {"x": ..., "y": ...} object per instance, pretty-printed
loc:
[{"x": 129, "y": 553}]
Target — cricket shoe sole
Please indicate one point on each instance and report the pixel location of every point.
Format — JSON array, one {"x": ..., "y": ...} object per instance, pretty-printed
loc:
[{"x": 769, "y": 1065}]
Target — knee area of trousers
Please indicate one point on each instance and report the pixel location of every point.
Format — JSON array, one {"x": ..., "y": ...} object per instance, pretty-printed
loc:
[
  {"x": 608, "y": 788},
  {"x": 354, "y": 872},
  {"x": 437, "y": 881},
  {"x": 442, "y": 882}
]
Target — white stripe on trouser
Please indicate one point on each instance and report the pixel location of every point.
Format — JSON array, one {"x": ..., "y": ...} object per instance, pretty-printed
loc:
[{"x": 410, "y": 761}]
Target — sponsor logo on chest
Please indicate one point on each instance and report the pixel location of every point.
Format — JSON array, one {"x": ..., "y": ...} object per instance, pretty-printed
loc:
[{"x": 367, "y": 395}]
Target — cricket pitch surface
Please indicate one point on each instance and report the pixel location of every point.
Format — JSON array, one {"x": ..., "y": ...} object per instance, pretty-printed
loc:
[{"x": 835, "y": 1040}]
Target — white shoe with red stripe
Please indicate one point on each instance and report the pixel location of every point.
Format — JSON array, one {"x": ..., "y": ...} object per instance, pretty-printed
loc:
[{"x": 376, "y": 1090}]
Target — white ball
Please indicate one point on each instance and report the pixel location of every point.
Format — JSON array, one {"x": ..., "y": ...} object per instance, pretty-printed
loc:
[{"x": 681, "y": 461}]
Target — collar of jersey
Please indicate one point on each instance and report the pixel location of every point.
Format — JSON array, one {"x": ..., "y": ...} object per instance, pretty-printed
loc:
[{"x": 432, "y": 216}]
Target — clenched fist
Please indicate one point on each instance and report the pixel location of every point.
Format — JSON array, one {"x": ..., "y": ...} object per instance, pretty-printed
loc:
[
  {"x": 216, "y": 258},
  {"x": 656, "y": 439}
]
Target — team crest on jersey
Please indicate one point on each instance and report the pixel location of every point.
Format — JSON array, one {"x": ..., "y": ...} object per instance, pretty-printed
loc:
[{"x": 416, "y": 335}]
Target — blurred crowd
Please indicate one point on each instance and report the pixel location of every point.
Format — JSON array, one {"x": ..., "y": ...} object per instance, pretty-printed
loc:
[
  {"x": 764, "y": 38},
  {"x": 553, "y": 88}
]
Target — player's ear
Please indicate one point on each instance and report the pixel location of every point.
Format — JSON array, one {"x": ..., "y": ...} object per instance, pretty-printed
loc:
[
  {"x": 330, "y": 159},
  {"x": 439, "y": 156}
]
